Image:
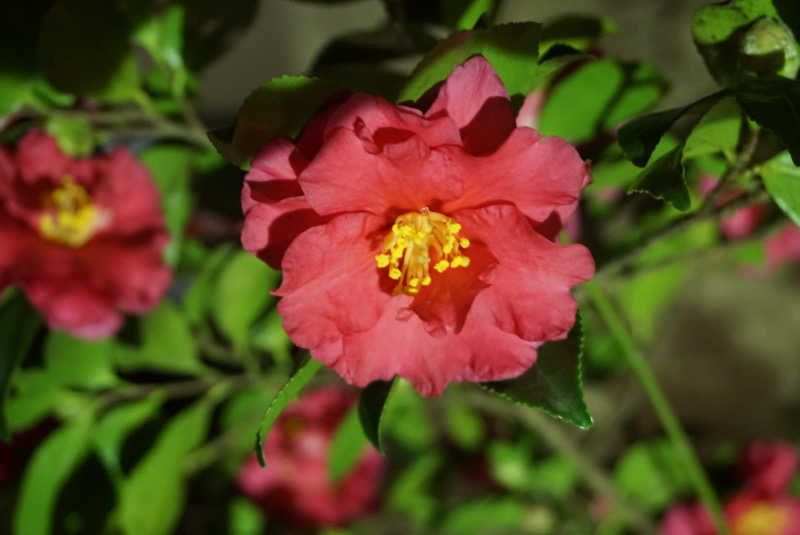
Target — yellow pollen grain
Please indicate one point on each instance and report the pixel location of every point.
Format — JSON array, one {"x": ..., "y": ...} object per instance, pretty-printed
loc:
[
  {"x": 68, "y": 215},
  {"x": 382, "y": 260},
  {"x": 419, "y": 241}
]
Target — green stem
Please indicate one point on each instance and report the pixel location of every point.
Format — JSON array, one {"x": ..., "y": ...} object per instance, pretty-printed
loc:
[{"x": 662, "y": 407}]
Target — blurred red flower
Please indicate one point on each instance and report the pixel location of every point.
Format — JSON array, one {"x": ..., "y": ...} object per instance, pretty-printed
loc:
[
  {"x": 82, "y": 237},
  {"x": 420, "y": 244},
  {"x": 295, "y": 484},
  {"x": 783, "y": 247},
  {"x": 741, "y": 223},
  {"x": 762, "y": 508}
]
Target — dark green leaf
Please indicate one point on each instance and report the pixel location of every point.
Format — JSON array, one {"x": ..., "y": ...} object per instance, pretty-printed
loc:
[
  {"x": 286, "y": 394},
  {"x": 639, "y": 137},
  {"x": 717, "y": 131},
  {"x": 554, "y": 383},
  {"x": 242, "y": 295},
  {"x": 782, "y": 179},
  {"x": 614, "y": 170},
  {"x": 36, "y": 394},
  {"x": 665, "y": 179},
  {"x": 411, "y": 492},
  {"x": 270, "y": 336},
  {"x": 643, "y": 87},
  {"x": 245, "y": 518},
  {"x": 789, "y": 11},
  {"x": 370, "y": 410},
  {"x": 774, "y": 103},
  {"x": 281, "y": 107},
  {"x": 211, "y": 28},
  {"x": 512, "y": 49},
  {"x": 79, "y": 363},
  {"x": 741, "y": 36},
  {"x": 152, "y": 497},
  {"x": 464, "y": 425},
  {"x": 52, "y": 463},
  {"x": 84, "y": 49},
  {"x": 18, "y": 326},
  {"x": 346, "y": 447}
]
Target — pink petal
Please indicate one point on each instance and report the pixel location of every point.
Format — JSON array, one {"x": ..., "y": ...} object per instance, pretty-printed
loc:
[
  {"x": 475, "y": 98},
  {"x": 374, "y": 119},
  {"x": 331, "y": 284},
  {"x": 529, "y": 293},
  {"x": 784, "y": 247},
  {"x": 531, "y": 109},
  {"x": 39, "y": 157},
  {"x": 539, "y": 176},
  {"x": 127, "y": 191},
  {"x": 270, "y": 228},
  {"x": 406, "y": 175}
]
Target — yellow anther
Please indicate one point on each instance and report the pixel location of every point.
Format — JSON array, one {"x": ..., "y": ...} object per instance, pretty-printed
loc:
[
  {"x": 68, "y": 215},
  {"x": 417, "y": 242}
]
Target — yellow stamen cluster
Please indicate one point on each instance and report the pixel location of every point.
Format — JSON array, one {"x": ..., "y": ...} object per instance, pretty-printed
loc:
[
  {"x": 69, "y": 217},
  {"x": 762, "y": 519},
  {"x": 416, "y": 240}
]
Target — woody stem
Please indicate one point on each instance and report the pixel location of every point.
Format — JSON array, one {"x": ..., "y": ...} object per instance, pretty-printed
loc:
[{"x": 669, "y": 421}]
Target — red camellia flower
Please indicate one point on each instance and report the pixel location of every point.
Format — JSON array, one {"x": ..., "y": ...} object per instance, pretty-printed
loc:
[
  {"x": 762, "y": 508},
  {"x": 296, "y": 482},
  {"x": 82, "y": 237},
  {"x": 783, "y": 247},
  {"x": 741, "y": 223},
  {"x": 420, "y": 244}
]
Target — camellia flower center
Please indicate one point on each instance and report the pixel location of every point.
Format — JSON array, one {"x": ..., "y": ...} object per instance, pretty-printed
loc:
[
  {"x": 69, "y": 217},
  {"x": 417, "y": 240},
  {"x": 762, "y": 519}
]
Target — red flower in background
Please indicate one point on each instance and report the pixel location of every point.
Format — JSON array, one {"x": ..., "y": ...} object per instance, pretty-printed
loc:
[
  {"x": 82, "y": 237},
  {"x": 784, "y": 247},
  {"x": 762, "y": 508},
  {"x": 296, "y": 482},
  {"x": 741, "y": 223},
  {"x": 420, "y": 244}
]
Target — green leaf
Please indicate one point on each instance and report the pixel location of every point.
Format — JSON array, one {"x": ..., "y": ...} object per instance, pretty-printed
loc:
[
  {"x": 782, "y": 179},
  {"x": 717, "y": 131},
  {"x": 665, "y": 179},
  {"x": 73, "y": 134},
  {"x": 287, "y": 393},
  {"x": 79, "y": 363},
  {"x": 18, "y": 326},
  {"x": 242, "y": 295},
  {"x": 411, "y": 493},
  {"x": 572, "y": 112},
  {"x": 512, "y": 49},
  {"x": 614, "y": 170},
  {"x": 639, "y": 137},
  {"x": 741, "y": 36},
  {"x": 162, "y": 37},
  {"x": 152, "y": 497},
  {"x": 510, "y": 463},
  {"x": 464, "y": 426},
  {"x": 499, "y": 515},
  {"x": 270, "y": 336},
  {"x": 465, "y": 14},
  {"x": 346, "y": 447},
  {"x": 171, "y": 167},
  {"x": 370, "y": 410},
  {"x": 774, "y": 103},
  {"x": 405, "y": 417},
  {"x": 197, "y": 300},
  {"x": 554, "y": 476},
  {"x": 554, "y": 383},
  {"x": 167, "y": 344},
  {"x": 280, "y": 107},
  {"x": 35, "y": 395},
  {"x": 113, "y": 428},
  {"x": 245, "y": 518},
  {"x": 652, "y": 475},
  {"x": 643, "y": 87},
  {"x": 84, "y": 49},
  {"x": 53, "y": 462}
]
